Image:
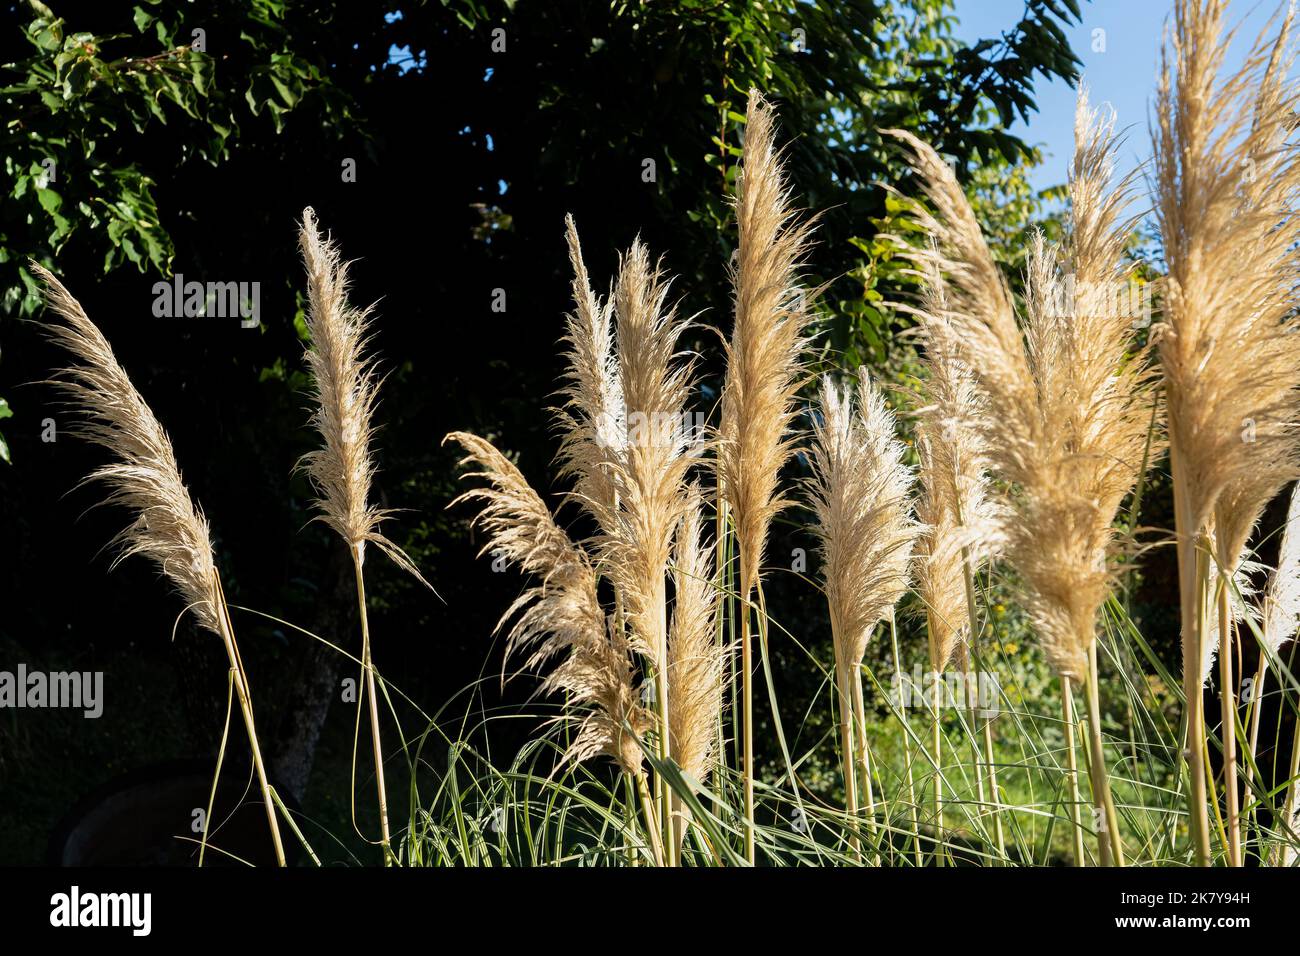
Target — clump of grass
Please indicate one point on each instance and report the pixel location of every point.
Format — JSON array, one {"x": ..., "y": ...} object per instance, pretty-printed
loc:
[
  {"x": 1067, "y": 402},
  {"x": 1054, "y": 400},
  {"x": 623, "y": 444},
  {"x": 169, "y": 528},
  {"x": 561, "y": 617},
  {"x": 1225, "y": 184},
  {"x": 649, "y": 475}
]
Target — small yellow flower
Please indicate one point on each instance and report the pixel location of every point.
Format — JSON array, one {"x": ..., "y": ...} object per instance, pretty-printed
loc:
[
  {"x": 999, "y": 610},
  {"x": 1011, "y": 648}
]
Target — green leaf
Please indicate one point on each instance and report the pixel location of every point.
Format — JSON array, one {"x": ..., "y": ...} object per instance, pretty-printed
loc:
[
  {"x": 286, "y": 94},
  {"x": 47, "y": 34},
  {"x": 77, "y": 78},
  {"x": 49, "y": 199}
]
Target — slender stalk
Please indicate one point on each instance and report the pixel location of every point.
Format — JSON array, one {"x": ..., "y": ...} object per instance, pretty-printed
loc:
[
  {"x": 1291, "y": 808},
  {"x": 722, "y": 573},
  {"x": 999, "y": 836},
  {"x": 1197, "y": 740},
  {"x": 1191, "y": 577},
  {"x": 747, "y": 723},
  {"x": 661, "y": 705},
  {"x": 630, "y": 849},
  {"x": 842, "y": 682},
  {"x": 246, "y": 708},
  {"x": 977, "y": 758},
  {"x": 216, "y": 774},
  {"x": 1212, "y": 797},
  {"x": 936, "y": 743},
  {"x": 651, "y": 824},
  {"x": 728, "y": 607},
  {"x": 1072, "y": 773},
  {"x": 990, "y": 765},
  {"x": 1254, "y": 712},
  {"x": 368, "y": 666},
  {"x": 907, "y": 744},
  {"x": 288, "y": 818},
  {"x": 864, "y": 758},
  {"x": 1109, "y": 844},
  {"x": 1228, "y": 704}
]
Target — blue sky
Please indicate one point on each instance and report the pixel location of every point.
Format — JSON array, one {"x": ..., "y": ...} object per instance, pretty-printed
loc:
[{"x": 1124, "y": 74}]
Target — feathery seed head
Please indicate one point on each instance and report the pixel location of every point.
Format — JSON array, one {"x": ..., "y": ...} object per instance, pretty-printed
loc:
[
  {"x": 961, "y": 518},
  {"x": 1065, "y": 403},
  {"x": 859, "y": 493},
  {"x": 764, "y": 356},
  {"x": 696, "y": 658},
  {"x": 345, "y": 389},
  {"x": 169, "y": 528},
  {"x": 592, "y": 419},
  {"x": 650, "y": 473},
  {"x": 1226, "y": 180},
  {"x": 560, "y": 615},
  {"x": 1281, "y": 608}
]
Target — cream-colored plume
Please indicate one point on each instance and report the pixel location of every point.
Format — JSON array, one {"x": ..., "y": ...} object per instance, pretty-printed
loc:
[
  {"x": 345, "y": 388},
  {"x": 650, "y": 474},
  {"x": 169, "y": 528},
  {"x": 1226, "y": 181},
  {"x": 1066, "y": 401},
  {"x": 592, "y": 420},
  {"x": 560, "y": 615},
  {"x": 696, "y": 657},
  {"x": 962, "y": 519},
  {"x": 1281, "y": 606},
  {"x": 859, "y": 492},
  {"x": 764, "y": 356}
]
